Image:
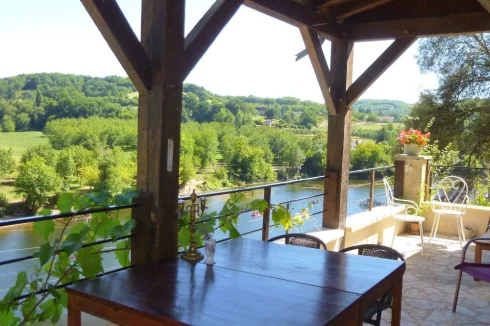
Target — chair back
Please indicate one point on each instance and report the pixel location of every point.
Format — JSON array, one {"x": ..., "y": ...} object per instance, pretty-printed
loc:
[
  {"x": 375, "y": 250},
  {"x": 301, "y": 240},
  {"x": 390, "y": 198},
  {"x": 450, "y": 190}
]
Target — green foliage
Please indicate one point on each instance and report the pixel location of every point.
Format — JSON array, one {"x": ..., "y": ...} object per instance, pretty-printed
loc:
[
  {"x": 8, "y": 124},
  {"x": 65, "y": 166},
  {"x": 22, "y": 121},
  {"x": 36, "y": 182},
  {"x": 4, "y": 202},
  {"x": 44, "y": 152},
  {"x": 62, "y": 259},
  {"x": 369, "y": 155},
  {"x": 308, "y": 119},
  {"x": 7, "y": 162},
  {"x": 117, "y": 171}
]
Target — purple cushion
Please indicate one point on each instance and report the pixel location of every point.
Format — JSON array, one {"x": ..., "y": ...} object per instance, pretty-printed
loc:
[{"x": 480, "y": 271}]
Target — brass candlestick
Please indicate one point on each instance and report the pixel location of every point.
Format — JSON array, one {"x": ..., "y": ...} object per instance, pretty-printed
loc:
[{"x": 192, "y": 254}]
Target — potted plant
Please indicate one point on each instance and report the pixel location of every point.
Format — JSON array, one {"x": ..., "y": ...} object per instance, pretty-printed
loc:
[{"x": 413, "y": 141}]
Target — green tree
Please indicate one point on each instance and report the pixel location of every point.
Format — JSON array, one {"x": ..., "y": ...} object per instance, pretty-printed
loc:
[
  {"x": 22, "y": 121},
  {"x": 7, "y": 162},
  {"x": 8, "y": 123},
  {"x": 65, "y": 167},
  {"x": 369, "y": 155},
  {"x": 308, "y": 119},
  {"x": 89, "y": 174},
  {"x": 116, "y": 171},
  {"x": 36, "y": 182},
  {"x": 39, "y": 98},
  {"x": 46, "y": 152}
]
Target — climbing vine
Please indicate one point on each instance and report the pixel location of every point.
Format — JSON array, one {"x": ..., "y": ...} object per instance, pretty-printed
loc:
[{"x": 64, "y": 257}]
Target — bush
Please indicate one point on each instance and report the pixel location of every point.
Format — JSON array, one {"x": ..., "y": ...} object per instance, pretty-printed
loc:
[
  {"x": 221, "y": 174},
  {"x": 3, "y": 204}
]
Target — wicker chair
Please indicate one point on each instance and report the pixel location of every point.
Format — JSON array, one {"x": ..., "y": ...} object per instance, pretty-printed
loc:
[
  {"x": 386, "y": 300},
  {"x": 301, "y": 239}
]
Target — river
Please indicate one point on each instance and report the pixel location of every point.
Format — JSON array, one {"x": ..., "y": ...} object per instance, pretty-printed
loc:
[{"x": 21, "y": 240}]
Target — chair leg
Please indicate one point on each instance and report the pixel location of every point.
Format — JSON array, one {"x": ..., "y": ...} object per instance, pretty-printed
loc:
[
  {"x": 462, "y": 228},
  {"x": 433, "y": 228},
  {"x": 394, "y": 233},
  {"x": 456, "y": 294},
  {"x": 478, "y": 252},
  {"x": 459, "y": 230},
  {"x": 421, "y": 236}
]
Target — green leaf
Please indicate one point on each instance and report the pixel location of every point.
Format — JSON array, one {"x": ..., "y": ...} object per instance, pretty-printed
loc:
[
  {"x": 49, "y": 309},
  {"x": 28, "y": 305},
  {"x": 46, "y": 251},
  {"x": 7, "y": 318},
  {"x": 90, "y": 262},
  {"x": 44, "y": 212},
  {"x": 44, "y": 228},
  {"x": 17, "y": 289},
  {"x": 72, "y": 243},
  {"x": 234, "y": 232},
  {"x": 81, "y": 229},
  {"x": 117, "y": 231},
  {"x": 259, "y": 204},
  {"x": 123, "y": 255},
  {"x": 102, "y": 224},
  {"x": 184, "y": 237},
  {"x": 65, "y": 202},
  {"x": 129, "y": 225}
]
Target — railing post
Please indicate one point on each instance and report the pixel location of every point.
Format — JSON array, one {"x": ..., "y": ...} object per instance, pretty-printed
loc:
[
  {"x": 267, "y": 213},
  {"x": 141, "y": 246},
  {"x": 371, "y": 190}
]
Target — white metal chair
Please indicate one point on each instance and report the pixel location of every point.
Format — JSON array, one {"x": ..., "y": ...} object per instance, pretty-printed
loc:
[
  {"x": 450, "y": 190},
  {"x": 408, "y": 215}
]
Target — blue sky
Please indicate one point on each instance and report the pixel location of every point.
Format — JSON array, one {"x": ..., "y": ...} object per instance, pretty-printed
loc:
[{"x": 254, "y": 54}]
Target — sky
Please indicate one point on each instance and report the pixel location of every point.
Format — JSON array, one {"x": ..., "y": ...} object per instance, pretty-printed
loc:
[{"x": 253, "y": 55}]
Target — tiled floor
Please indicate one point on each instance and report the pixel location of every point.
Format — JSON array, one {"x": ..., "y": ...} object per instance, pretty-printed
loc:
[
  {"x": 428, "y": 287},
  {"x": 430, "y": 281}
]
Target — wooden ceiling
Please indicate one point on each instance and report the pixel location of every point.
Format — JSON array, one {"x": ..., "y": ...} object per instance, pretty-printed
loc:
[{"x": 361, "y": 20}]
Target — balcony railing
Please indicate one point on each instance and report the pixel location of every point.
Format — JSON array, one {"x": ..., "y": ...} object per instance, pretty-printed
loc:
[{"x": 265, "y": 227}]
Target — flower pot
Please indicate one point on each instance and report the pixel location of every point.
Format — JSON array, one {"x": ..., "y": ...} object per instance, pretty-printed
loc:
[
  {"x": 412, "y": 149},
  {"x": 413, "y": 228}
]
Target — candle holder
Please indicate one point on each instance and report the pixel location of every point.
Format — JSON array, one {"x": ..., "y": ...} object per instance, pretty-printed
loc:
[{"x": 194, "y": 209}]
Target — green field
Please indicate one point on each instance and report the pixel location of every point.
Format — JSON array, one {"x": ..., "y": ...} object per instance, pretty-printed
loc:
[
  {"x": 20, "y": 141},
  {"x": 374, "y": 125}
]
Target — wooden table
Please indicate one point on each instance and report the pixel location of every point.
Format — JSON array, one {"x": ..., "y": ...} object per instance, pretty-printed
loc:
[{"x": 252, "y": 283}]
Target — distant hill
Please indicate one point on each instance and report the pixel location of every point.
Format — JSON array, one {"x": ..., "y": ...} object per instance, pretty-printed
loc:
[{"x": 382, "y": 107}]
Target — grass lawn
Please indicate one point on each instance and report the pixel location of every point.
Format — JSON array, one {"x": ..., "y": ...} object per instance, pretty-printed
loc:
[
  {"x": 20, "y": 141},
  {"x": 374, "y": 125}
]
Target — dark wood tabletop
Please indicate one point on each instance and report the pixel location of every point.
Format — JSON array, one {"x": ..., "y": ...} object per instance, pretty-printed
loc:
[{"x": 252, "y": 283}]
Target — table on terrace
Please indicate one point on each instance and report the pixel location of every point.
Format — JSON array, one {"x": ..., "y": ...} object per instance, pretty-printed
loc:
[{"x": 252, "y": 283}]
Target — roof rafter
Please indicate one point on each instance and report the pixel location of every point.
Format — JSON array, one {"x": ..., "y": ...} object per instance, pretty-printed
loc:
[
  {"x": 206, "y": 30},
  {"x": 294, "y": 13},
  {"x": 353, "y": 8},
  {"x": 117, "y": 32},
  {"x": 320, "y": 66},
  {"x": 485, "y": 4},
  {"x": 419, "y": 27}
]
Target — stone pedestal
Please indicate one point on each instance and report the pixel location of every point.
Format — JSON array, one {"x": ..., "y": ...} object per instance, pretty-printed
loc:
[{"x": 411, "y": 173}]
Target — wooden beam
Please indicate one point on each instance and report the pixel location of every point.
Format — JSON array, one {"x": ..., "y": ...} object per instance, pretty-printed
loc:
[
  {"x": 319, "y": 63},
  {"x": 206, "y": 30},
  {"x": 120, "y": 37},
  {"x": 296, "y": 14},
  {"x": 377, "y": 68},
  {"x": 338, "y": 144},
  {"x": 353, "y": 8},
  {"x": 419, "y": 27},
  {"x": 159, "y": 115},
  {"x": 485, "y": 4}
]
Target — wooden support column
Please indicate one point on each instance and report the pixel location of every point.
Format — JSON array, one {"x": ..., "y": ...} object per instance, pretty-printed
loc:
[
  {"x": 162, "y": 36},
  {"x": 338, "y": 145}
]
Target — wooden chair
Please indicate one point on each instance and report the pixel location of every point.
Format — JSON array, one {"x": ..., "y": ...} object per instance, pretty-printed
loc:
[
  {"x": 481, "y": 245},
  {"x": 301, "y": 239},
  {"x": 385, "y": 302},
  {"x": 477, "y": 270}
]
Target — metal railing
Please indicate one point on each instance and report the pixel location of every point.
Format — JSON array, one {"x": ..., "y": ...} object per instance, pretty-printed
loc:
[
  {"x": 267, "y": 189},
  {"x": 38, "y": 218}
]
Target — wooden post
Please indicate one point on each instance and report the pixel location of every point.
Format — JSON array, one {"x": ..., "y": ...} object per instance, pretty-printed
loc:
[
  {"x": 371, "y": 190},
  {"x": 162, "y": 36},
  {"x": 338, "y": 145},
  {"x": 428, "y": 176},
  {"x": 399, "y": 178},
  {"x": 267, "y": 214}
]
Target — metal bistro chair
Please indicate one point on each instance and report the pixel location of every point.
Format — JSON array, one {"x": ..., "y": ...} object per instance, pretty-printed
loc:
[
  {"x": 301, "y": 239},
  {"x": 385, "y": 302},
  {"x": 477, "y": 270},
  {"x": 409, "y": 215},
  {"x": 450, "y": 190}
]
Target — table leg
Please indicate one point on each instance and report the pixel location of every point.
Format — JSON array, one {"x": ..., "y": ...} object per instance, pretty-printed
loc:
[
  {"x": 478, "y": 251},
  {"x": 396, "y": 309},
  {"x": 74, "y": 314}
]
